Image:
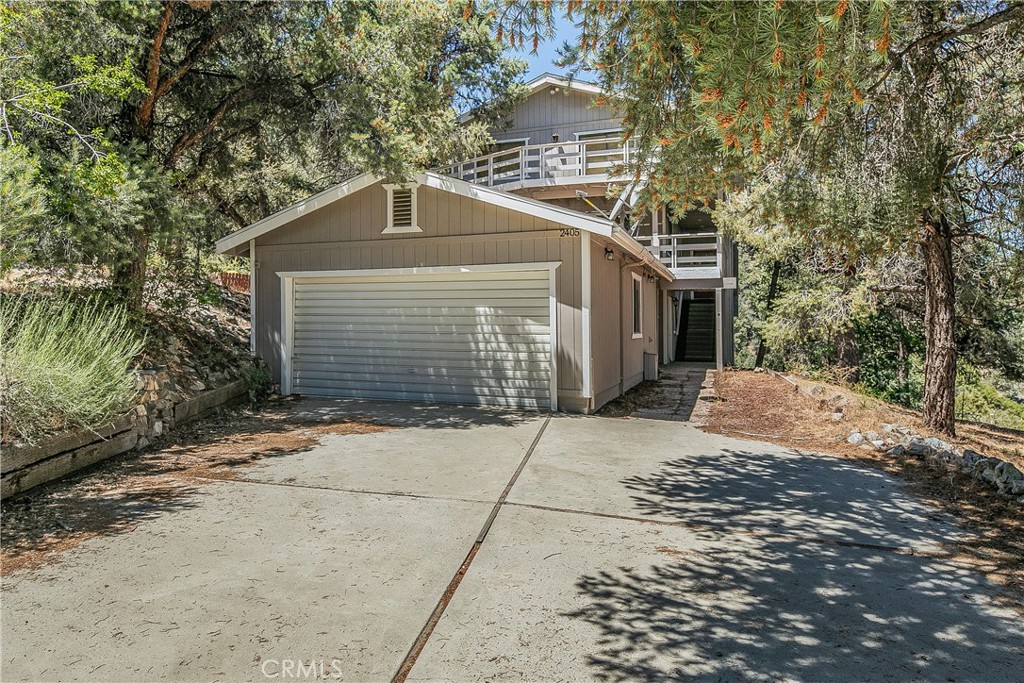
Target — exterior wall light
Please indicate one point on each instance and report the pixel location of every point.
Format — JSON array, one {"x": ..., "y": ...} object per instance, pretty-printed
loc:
[{"x": 609, "y": 254}]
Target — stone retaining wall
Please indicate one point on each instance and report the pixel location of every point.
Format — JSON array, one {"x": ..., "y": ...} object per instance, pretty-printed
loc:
[{"x": 162, "y": 409}]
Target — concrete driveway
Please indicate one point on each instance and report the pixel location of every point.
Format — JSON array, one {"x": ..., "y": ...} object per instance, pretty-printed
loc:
[{"x": 480, "y": 545}]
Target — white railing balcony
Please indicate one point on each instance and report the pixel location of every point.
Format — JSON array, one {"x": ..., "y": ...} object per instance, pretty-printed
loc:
[
  {"x": 553, "y": 161},
  {"x": 678, "y": 252}
]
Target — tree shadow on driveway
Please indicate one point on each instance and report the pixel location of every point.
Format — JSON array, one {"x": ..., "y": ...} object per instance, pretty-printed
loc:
[
  {"x": 799, "y": 568},
  {"x": 806, "y": 496}
]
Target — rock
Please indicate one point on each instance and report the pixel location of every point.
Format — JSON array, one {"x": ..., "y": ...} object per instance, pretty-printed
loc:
[
  {"x": 938, "y": 444},
  {"x": 837, "y": 417},
  {"x": 816, "y": 390},
  {"x": 945, "y": 456},
  {"x": 140, "y": 411},
  {"x": 1015, "y": 488},
  {"x": 197, "y": 386},
  {"x": 758, "y": 370},
  {"x": 142, "y": 443},
  {"x": 1006, "y": 472},
  {"x": 158, "y": 427},
  {"x": 985, "y": 470},
  {"x": 855, "y": 438},
  {"x": 888, "y": 428},
  {"x": 970, "y": 460},
  {"x": 838, "y": 402},
  {"x": 897, "y": 450},
  {"x": 919, "y": 449},
  {"x": 879, "y": 444},
  {"x": 872, "y": 435}
]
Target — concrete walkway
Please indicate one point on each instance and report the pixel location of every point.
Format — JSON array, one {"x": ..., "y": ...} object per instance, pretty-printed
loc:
[
  {"x": 620, "y": 549},
  {"x": 681, "y": 394}
]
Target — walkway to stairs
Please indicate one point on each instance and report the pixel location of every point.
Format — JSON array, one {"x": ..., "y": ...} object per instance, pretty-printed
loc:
[{"x": 684, "y": 392}]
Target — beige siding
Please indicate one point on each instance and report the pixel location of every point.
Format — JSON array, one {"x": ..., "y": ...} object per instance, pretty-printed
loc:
[
  {"x": 564, "y": 113},
  {"x": 457, "y": 230},
  {"x": 618, "y": 358}
]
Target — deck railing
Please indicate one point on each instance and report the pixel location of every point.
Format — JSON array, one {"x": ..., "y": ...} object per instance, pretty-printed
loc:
[
  {"x": 541, "y": 162},
  {"x": 691, "y": 250}
]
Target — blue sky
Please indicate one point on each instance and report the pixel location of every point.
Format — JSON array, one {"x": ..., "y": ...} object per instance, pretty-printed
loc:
[{"x": 544, "y": 60}]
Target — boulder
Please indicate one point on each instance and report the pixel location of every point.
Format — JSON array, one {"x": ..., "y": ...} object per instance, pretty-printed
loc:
[
  {"x": 938, "y": 444},
  {"x": 985, "y": 470},
  {"x": 872, "y": 435},
  {"x": 970, "y": 459},
  {"x": 897, "y": 450},
  {"x": 919, "y": 449},
  {"x": 855, "y": 438},
  {"x": 1006, "y": 472}
]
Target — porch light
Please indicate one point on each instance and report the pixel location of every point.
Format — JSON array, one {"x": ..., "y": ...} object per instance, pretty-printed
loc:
[{"x": 609, "y": 255}]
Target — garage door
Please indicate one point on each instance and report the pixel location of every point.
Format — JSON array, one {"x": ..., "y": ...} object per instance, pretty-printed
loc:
[{"x": 454, "y": 337}]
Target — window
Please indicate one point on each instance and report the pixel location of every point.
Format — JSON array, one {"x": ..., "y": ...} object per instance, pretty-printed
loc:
[
  {"x": 638, "y": 308},
  {"x": 401, "y": 209}
]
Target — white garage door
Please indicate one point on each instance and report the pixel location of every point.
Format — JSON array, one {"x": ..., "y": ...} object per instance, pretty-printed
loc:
[{"x": 454, "y": 337}]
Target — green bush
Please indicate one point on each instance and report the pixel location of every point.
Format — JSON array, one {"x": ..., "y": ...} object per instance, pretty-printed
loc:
[
  {"x": 979, "y": 399},
  {"x": 63, "y": 365},
  {"x": 261, "y": 384}
]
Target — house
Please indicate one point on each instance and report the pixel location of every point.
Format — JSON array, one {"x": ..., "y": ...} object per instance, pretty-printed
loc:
[{"x": 511, "y": 279}]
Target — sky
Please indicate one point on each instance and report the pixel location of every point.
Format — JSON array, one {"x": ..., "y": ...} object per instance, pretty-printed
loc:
[{"x": 544, "y": 60}]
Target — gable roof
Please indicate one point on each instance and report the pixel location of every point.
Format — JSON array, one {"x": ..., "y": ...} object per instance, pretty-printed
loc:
[
  {"x": 547, "y": 80},
  {"x": 238, "y": 242},
  {"x": 554, "y": 80}
]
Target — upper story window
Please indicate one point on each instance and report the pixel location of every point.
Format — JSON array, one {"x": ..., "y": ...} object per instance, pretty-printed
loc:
[
  {"x": 507, "y": 145},
  {"x": 601, "y": 150},
  {"x": 401, "y": 209},
  {"x": 696, "y": 220}
]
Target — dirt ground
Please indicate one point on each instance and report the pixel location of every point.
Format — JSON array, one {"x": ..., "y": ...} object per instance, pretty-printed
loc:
[
  {"x": 781, "y": 410},
  {"x": 49, "y": 520}
]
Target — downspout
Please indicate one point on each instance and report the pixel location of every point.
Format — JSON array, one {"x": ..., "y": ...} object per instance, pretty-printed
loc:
[
  {"x": 622, "y": 329},
  {"x": 252, "y": 297}
]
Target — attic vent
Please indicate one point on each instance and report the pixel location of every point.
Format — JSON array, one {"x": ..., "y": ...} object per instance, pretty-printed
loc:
[{"x": 401, "y": 209}]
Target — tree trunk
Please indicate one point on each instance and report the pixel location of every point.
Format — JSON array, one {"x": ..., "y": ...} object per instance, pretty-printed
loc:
[
  {"x": 130, "y": 274},
  {"x": 940, "y": 342},
  {"x": 848, "y": 355},
  {"x": 773, "y": 288}
]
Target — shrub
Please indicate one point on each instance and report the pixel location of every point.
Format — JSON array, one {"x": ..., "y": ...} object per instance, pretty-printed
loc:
[
  {"x": 261, "y": 384},
  {"x": 63, "y": 365}
]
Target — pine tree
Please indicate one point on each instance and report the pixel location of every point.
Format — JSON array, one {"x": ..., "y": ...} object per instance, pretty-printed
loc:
[{"x": 873, "y": 125}]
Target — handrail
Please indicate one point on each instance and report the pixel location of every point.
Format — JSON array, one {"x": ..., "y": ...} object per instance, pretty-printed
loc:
[
  {"x": 544, "y": 161},
  {"x": 687, "y": 250}
]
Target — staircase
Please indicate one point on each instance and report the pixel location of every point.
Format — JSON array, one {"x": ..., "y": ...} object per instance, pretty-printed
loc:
[{"x": 697, "y": 332}]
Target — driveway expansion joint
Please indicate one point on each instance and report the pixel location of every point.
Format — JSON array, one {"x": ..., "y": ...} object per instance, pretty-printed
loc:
[
  {"x": 421, "y": 641},
  {"x": 768, "y": 536},
  {"x": 335, "y": 489}
]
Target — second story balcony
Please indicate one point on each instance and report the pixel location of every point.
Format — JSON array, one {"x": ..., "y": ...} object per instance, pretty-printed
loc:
[
  {"x": 556, "y": 163},
  {"x": 694, "y": 250}
]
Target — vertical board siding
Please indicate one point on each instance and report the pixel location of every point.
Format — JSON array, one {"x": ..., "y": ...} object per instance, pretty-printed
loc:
[
  {"x": 618, "y": 358},
  {"x": 318, "y": 240},
  {"x": 564, "y": 113}
]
